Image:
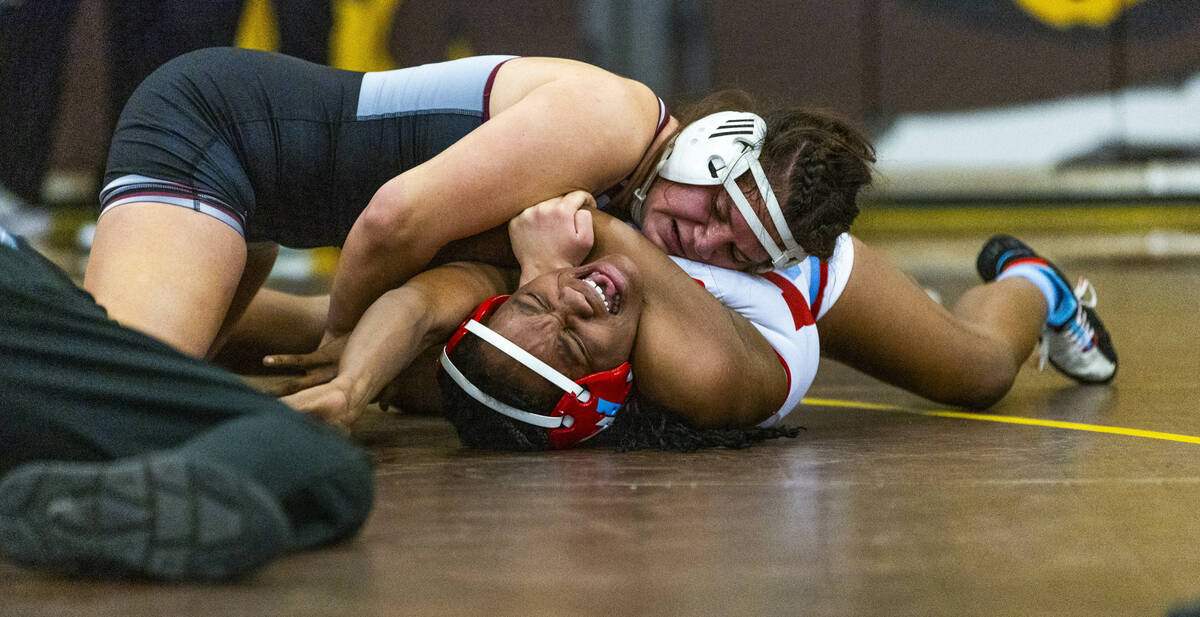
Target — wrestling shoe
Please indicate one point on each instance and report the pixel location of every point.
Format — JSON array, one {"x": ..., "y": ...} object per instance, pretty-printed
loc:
[
  {"x": 1074, "y": 339},
  {"x": 159, "y": 517}
]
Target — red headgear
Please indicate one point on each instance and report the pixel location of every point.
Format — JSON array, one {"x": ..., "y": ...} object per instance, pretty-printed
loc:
[{"x": 587, "y": 407}]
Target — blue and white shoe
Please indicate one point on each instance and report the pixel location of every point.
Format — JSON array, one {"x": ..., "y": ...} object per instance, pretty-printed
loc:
[{"x": 1074, "y": 339}]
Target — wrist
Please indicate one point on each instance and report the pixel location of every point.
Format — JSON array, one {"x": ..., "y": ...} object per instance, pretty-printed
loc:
[
  {"x": 534, "y": 269},
  {"x": 358, "y": 390}
]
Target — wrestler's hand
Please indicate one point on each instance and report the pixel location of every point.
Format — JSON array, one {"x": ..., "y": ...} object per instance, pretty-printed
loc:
[
  {"x": 330, "y": 337},
  {"x": 319, "y": 366},
  {"x": 329, "y": 402},
  {"x": 556, "y": 233}
]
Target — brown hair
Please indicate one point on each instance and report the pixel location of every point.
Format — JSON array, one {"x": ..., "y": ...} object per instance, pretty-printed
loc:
[{"x": 814, "y": 158}]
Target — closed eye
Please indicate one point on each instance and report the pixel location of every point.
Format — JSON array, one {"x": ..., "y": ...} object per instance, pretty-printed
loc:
[
  {"x": 720, "y": 211},
  {"x": 574, "y": 349},
  {"x": 570, "y": 345},
  {"x": 530, "y": 303},
  {"x": 740, "y": 259},
  {"x": 536, "y": 303}
]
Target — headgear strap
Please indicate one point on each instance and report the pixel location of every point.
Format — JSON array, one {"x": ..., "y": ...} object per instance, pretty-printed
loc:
[
  {"x": 719, "y": 149},
  {"x": 587, "y": 407}
]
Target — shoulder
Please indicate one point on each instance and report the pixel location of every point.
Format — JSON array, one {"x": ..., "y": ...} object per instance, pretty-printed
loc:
[
  {"x": 590, "y": 91},
  {"x": 460, "y": 277}
]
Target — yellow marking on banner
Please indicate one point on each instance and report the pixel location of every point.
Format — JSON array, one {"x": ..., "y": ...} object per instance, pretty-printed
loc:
[
  {"x": 258, "y": 28},
  {"x": 357, "y": 41},
  {"x": 360, "y": 34},
  {"x": 984, "y": 417},
  {"x": 1066, "y": 13}
]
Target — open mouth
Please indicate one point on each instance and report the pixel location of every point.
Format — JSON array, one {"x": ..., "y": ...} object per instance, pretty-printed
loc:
[{"x": 607, "y": 283}]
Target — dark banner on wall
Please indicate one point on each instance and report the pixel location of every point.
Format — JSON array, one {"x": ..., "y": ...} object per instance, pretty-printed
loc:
[{"x": 1082, "y": 20}]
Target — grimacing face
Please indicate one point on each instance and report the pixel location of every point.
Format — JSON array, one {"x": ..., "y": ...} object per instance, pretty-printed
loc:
[
  {"x": 578, "y": 320},
  {"x": 701, "y": 223}
]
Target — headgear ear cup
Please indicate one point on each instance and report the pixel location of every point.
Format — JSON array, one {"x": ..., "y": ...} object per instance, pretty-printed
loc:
[
  {"x": 587, "y": 407},
  {"x": 606, "y": 392}
]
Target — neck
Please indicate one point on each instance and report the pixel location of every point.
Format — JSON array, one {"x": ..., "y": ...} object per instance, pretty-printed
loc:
[{"x": 623, "y": 199}]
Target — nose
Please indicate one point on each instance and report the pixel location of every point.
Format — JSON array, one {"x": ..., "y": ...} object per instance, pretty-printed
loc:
[
  {"x": 574, "y": 303},
  {"x": 709, "y": 238}
]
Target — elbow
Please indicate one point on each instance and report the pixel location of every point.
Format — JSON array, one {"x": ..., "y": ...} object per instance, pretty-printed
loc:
[
  {"x": 388, "y": 222},
  {"x": 382, "y": 229}
]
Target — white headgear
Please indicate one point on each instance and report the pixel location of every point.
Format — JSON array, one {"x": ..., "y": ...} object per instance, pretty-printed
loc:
[{"x": 718, "y": 149}]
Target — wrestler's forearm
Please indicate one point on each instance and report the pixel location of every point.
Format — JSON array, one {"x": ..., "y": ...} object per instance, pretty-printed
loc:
[
  {"x": 389, "y": 335},
  {"x": 276, "y": 322},
  {"x": 369, "y": 266},
  {"x": 406, "y": 321}
]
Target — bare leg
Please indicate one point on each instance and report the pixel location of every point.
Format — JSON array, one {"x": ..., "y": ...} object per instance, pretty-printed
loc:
[
  {"x": 886, "y": 326},
  {"x": 260, "y": 256},
  {"x": 167, "y": 271}
]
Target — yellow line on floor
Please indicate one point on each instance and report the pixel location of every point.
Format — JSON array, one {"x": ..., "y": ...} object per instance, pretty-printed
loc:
[
  {"x": 985, "y": 417},
  {"x": 885, "y": 220}
]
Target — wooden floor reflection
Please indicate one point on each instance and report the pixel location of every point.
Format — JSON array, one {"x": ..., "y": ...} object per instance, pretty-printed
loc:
[{"x": 868, "y": 512}]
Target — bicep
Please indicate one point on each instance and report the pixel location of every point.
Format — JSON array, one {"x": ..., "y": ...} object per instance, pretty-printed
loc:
[
  {"x": 710, "y": 366},
  {"x": 693, "y": 355},
  {"x": 450, "y": 292},
  {"x": 560, "y": 137}
]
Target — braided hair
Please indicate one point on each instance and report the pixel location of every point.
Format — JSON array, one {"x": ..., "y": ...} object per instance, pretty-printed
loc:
[
  {"x": 639, "y": 425},
  {"x": 823, "y": 162}
]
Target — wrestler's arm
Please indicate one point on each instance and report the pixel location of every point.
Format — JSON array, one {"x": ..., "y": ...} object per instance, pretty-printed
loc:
[
  {"x": 396, "y": 328},
  {"x": 692, "y": 354},
  {"x": 532, "y": 150},
  {"x": 275, "y": 322}
]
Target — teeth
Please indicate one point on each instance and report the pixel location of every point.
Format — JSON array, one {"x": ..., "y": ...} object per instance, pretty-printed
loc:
[{"x": 596, "y": 286}]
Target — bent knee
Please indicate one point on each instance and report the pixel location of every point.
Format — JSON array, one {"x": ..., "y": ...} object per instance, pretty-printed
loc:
[
  {"x": 980, "y": 384},
  {"x": 335, "y": 506}
]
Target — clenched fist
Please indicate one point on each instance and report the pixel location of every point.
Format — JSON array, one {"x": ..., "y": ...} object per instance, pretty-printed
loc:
[{"x": 556, "y": 233}]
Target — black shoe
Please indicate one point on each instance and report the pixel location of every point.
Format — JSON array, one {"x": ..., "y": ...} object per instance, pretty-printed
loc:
[
  {"x": 160, "y": 517},
  {"x": 1001, "y": 251},
  {"x": 1079, "y": 347}
]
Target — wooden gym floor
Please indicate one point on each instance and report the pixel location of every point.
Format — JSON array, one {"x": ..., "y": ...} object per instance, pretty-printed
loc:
[{"x": 878, "y": 508}]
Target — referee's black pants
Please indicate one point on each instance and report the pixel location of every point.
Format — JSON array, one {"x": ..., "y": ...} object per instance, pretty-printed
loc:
[{"x": 77, "y": 386}]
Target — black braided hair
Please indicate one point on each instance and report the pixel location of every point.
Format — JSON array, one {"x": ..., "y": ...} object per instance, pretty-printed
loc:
[
  {"x": 638, "y": 426},
  {"x": 646, "y": 426},
  {"x": 479, "y": 426}
]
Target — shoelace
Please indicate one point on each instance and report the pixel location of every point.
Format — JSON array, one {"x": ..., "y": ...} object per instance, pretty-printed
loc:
[{"x": 1085, "y": 296}]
